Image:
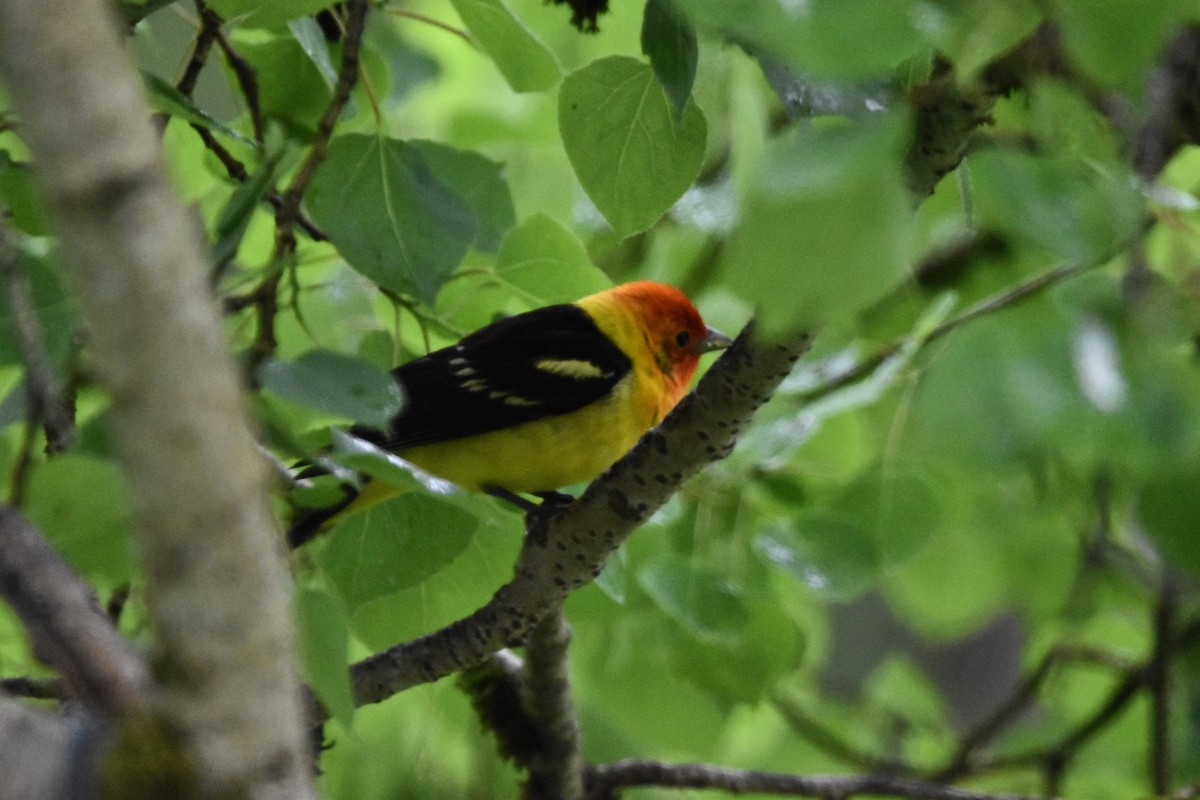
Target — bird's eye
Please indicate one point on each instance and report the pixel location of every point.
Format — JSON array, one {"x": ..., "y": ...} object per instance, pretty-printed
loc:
[{"x": 682, "y": 338}]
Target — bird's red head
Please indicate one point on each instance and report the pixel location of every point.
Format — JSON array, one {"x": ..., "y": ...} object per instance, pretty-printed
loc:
[{"x": 673, "y": 329}]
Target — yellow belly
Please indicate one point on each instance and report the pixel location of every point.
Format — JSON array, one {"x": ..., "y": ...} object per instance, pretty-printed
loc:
[{"x": 542, "y": 455}]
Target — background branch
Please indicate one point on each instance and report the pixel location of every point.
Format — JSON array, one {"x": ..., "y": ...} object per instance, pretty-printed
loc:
[{"x": 69, "y": 631}]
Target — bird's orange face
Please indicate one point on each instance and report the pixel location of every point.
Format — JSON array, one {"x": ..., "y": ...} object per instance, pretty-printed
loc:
[{"x": 674, "y": 330}]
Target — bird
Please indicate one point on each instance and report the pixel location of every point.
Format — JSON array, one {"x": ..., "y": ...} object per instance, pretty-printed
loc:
[{"x": 544, "y": 399}]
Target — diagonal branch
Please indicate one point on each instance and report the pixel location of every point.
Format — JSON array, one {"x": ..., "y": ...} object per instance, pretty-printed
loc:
[
  {"x": 570, "y": 549},
  {"x": 69, "y": 631}
]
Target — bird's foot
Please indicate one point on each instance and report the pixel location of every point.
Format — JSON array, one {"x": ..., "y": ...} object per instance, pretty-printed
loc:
[{"x": 538, "y": 518}]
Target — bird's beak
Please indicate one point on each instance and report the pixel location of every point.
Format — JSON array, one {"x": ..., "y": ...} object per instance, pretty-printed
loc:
[{"x": 714, "y": 340}]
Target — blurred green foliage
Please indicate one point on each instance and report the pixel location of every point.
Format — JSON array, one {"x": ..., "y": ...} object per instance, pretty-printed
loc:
[{"x": 1036, "y": 466}]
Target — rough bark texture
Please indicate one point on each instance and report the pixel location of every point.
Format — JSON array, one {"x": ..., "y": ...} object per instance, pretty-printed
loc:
[{"x": 216, "y": 584}]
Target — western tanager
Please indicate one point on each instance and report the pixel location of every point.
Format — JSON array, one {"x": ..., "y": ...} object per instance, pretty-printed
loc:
[{"x": 544, "y": 399}]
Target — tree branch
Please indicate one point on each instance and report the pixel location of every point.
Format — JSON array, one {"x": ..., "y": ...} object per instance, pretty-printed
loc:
[
  {"x": 999, "y": 301},
  {"x": 963, "y": 762},
  {"x": 69, "y": 631},
  {"x": 216, "y": 587},
  {"x": 1159, "y": 680},
  {"x": 33, "y": 688},
  {"x": 571, "y": 548},
  {"x": 1056, "y": 757},
  {"x": 556, "y": 770},
  {"x": 287, "y": 212},
  {"x": 821, "y": 737},
  {"x": 1173, "y": 117},
  {"x": 604, "y": 781},
  {"x": 527, "y": 707},
  {"x": 44, "y": 391}
]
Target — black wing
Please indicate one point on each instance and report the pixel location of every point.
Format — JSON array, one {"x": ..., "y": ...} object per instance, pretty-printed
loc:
[{"x": 546, "y": 362}]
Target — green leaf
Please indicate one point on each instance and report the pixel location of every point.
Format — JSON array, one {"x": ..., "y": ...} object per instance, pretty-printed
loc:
[
  {"x": 839, "y": 39},
  {"x": 235, "y": 216},
  {"x": 955, "y": 584},
  {"x": 1064, "y": 206},
  {"x": 21, "y": 197},
  {"x": 297, "y": 94},
  {"x": 265, "y": 13},
  {"x": 450, "y": 594},
  {"x": 1169, "y": 509},
  {"x": 82, "y": 505},
  {"x": 901, "y": 687},
  {"x": 167, "y": 99},
  {"x": 828, "y": 552},
  {"x": 769, "y": 647},
  {"x": 1116, "y": 40},
  {"x": 393, "y": 545},
  {"x": 337, "y": 384},
  {"x": 698, "y": 600},
  {"x": 324, "y": 639},
  {"x": 972, "y": 33},
  {"x": 545, "y": 261},
  {"x": 524, "y": 61},
  {"x": 669, "y": 40},
  {"x": 480, "y": 182},
  {"x": 387, "y": 467},
  {"x": 827, "y": 226},
  {"x": 389, "y": 215},
  {"x": 312, "y": 41},
  {"x": 633, "y": 155},
  {"x": 53, "y": 308},
  {"x": 900, "y": 507}
]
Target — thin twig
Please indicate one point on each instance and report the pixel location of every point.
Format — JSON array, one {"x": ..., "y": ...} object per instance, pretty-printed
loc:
[
  {"x": 288, "y": 210},
  {"x": 962, "y": 762},
  {"x": 605, "y": 780},
  {"x": 33, "y": 688},
  {"x": 44, "y": 391},
  {"x": 1057, "y": 757},
  {"x": 990, "y": 305},
  {"x": 210, "y": 26},
  {"x": 437, "y": 23},
  {"x": 347, "y": 77},
  {"x": 830, "y": 743},
  {"x": 1160, "y": 689},
  {"x": 210, "y": 31},
  {"x": 247, "y": 80}
]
